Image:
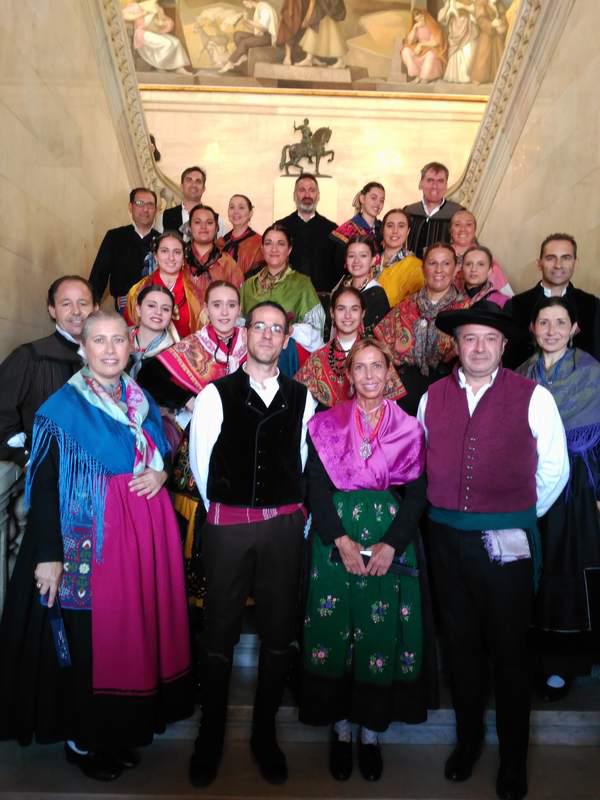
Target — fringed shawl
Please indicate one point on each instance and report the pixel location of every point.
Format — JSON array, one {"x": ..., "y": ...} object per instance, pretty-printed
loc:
[
  {"x": 198, "y": 360},
  {"x": 92, "y": 447},
  {"x": 574, "y": 382},
  {"x": 331, "y": 386},
  {"x": 398, "y": 454}
]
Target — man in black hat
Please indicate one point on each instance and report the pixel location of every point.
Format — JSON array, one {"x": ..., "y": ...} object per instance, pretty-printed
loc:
[{"x": 496, "y": 460}]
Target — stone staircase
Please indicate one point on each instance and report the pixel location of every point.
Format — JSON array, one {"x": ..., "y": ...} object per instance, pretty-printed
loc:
[{"x": 564, "y": 756}]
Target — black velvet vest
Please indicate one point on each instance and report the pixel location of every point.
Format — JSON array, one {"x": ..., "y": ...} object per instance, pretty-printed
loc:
[{"x": 256, "y": 459}]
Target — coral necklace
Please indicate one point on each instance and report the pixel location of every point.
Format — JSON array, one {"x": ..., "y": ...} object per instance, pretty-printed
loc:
[{"x": 365, "y": 450}]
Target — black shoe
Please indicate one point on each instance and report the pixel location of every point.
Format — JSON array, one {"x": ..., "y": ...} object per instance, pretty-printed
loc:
[
  {"x": 204, "y": 766},
  {"x": 340, "y": 758},
  {"x": 269, "y": 757},
  {"x": 98, "y": 766},
  {"x": 511, "y": 784},
  {"x": 370, "y": 762},
  {"x": 127, "y": 757},
  {"x": 460, "y": 763}
]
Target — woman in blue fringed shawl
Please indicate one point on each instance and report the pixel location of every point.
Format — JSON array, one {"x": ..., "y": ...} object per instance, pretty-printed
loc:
[
  {"x": 94, "y": 644},
  {"x": 570, "y": 531}
]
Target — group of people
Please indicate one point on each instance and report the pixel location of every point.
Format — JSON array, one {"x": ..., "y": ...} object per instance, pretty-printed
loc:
[
  {"x": 374, "y": 384},
  {"x": 463, "y": 45}
]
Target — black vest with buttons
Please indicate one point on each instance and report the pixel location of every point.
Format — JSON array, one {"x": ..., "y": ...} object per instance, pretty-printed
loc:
[{"x": 256, "y": 459}]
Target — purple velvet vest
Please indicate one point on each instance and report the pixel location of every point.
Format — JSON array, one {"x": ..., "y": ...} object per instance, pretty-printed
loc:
[{"x": 487, "y": 462}]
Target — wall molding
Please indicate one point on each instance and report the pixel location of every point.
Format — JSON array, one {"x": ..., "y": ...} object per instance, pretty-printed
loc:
[
  {"x": 537, "y": 30},
  {"x": 109, "y": 34}
]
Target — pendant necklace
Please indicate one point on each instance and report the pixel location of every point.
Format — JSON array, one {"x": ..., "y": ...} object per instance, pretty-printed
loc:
[{"x": 365, "y": 450}]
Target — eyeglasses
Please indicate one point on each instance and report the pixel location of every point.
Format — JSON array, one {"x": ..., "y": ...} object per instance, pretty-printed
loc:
[
  {"x": 260, "y": 327},
  {"x": 144, "y": 203}
]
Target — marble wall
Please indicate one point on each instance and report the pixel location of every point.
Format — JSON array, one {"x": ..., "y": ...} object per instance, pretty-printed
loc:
[
  {"x": 552, "y": 181},
  {"x": 62, "y": 177},
  {"x": 238, "y": 138}
]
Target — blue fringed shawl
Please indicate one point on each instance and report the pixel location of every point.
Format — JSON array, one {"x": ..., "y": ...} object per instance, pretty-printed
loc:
[
  {"x": 92, "y": 447},
  {"x": 574, "y": 382}
]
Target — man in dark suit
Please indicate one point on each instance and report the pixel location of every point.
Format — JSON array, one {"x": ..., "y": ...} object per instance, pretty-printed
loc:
[
  {"x": 313, "y": 252},
  {"x": 430, "y": 217},
  {"x": 34, "y": 371},
  {"x": 193, "y": 184},
  {"x": 557, "y": 262},
  {"x": 127, "y": 253}
]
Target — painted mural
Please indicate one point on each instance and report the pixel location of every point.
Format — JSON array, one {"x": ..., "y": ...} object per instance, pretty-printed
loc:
[{"x": 436, "y": 46}]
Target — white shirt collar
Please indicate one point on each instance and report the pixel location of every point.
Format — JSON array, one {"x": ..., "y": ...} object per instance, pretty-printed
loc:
[
  {"x": 312, "y": 216},
  {"x": 69, "y": 338},
  {"x": 434, "y": 210},
  {"x": 139, "y": 233},
  {"x": 474, "y": 397},
  {"x": 269, "y": 383},
  {"x": 548, "y": 292}
]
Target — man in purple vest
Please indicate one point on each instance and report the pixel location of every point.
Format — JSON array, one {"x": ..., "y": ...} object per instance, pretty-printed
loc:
[{"x": 496, "y": 460}]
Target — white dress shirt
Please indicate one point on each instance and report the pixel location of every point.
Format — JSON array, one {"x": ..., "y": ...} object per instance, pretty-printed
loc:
[
  {"x": 207, "y": 420},
  {"x": 545, "y": 424}
]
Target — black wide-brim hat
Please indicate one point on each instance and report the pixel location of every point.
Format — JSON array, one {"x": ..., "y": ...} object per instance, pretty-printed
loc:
[{"x": 482, "y": 313}]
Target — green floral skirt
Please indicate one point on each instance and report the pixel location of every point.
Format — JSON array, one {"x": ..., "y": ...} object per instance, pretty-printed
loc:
[{"x": 363, "y": 635}]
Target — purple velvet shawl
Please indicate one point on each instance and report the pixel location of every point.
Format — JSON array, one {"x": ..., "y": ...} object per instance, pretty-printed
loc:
[{"x": 398, "y": 452}]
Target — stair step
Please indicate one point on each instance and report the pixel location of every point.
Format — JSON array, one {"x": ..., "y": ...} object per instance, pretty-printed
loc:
[{"x": 573, "y": 721}]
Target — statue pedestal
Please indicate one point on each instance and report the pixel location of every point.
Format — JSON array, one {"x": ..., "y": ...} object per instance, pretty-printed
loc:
[
  {"x": 280, "y": 74},
  {"x": 283, "y": 197}
]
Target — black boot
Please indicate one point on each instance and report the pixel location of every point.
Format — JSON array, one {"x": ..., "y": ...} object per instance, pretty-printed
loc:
[
  {"x": 272, "y": 671},
  {"x": 204, "y": 763}
]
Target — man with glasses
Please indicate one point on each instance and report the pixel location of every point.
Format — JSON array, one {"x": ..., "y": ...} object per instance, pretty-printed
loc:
[
  {"x": 247, "y": 452},
  {"x": 127, "y": 253},
  {"x": 557, "y": 262}
]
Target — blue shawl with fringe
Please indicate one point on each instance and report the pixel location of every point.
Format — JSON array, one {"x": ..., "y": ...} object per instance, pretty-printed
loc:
[
  {"x": 92, "y": 447},
  {"x": 574, "y": 382}
]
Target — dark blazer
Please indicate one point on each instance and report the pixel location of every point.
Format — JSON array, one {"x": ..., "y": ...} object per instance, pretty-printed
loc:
[
  {"x": 28, "y": 376},
  {"x": 521, "y": 308},
  {"x": 172, "y": 219},
  {"x": 313, "y": 252},
  {"x": 120, "y": 260}
]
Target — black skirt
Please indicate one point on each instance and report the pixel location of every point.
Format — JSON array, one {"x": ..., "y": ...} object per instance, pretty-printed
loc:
[{"x": 570, "y": 533}]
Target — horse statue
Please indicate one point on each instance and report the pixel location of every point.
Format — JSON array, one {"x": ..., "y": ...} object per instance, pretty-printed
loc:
[{"x": 312, "y": 147}]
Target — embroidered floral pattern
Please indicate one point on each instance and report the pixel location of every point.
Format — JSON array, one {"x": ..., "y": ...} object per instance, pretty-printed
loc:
[
  {"x": 319, "y": 655},
  {"x": 378, "y": 508},
  {"x": 340, "y": 510},
  {"x": 407, "y": 662},
  {"x": 365, "y": 535},
  {"x": 327, "y": 605},
  {"x": 358, "y": 634},
  {"x": 405, "y": 611},
  {"x": 361, "y": 583},
  {"x": 377, "y": 662},
  {"x": 378, "y": 611},
  {"x": 357, "y": 511},
  {"x": 314, "y": 574},
  {"x": 393, "y": 510}
]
